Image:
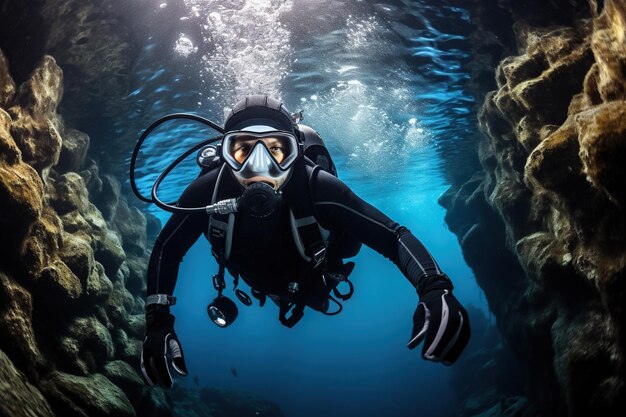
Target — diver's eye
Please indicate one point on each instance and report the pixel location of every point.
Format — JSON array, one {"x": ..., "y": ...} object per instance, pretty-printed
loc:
[
  {"x": 240, "y": 152},
  {"x": 242, "y": 148},
  {"x": 277, "y": 149},
  {"x": 278, "y": 152}
]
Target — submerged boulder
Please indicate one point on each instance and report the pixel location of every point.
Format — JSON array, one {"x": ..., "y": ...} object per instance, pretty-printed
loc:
[
  {"x": 17, "y": 336},
  {"x": 602, "y": 140},
  {"x": 18, "y": 398},
  {"x": 34, "y": 117},
  {"x": 7, "y": 85},
  {"x": 85, "y": 396},
  {"x": 21, "y": 191},
  {"x": 73, "y": 150}
]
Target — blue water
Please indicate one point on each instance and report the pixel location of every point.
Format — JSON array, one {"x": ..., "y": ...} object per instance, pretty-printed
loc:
[{"x": 383, "y": 84}]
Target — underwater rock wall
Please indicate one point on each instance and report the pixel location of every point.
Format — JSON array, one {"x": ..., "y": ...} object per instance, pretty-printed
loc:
[
  {"x": 69, "y": 326},
  {"x": 549, "y": 205},
  {"x": 73, "y": 260}
]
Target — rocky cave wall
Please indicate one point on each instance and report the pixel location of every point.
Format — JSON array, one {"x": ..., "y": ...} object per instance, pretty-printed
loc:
[
  {"x": 73, "y": 258},
  {"x": 549, "y": 203},
  {"x": 69, "y": 325},
  {"x": 73, "y": 252}
]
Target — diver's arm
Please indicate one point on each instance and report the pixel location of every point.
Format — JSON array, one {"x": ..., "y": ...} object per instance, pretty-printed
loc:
[
  {"x": 338, "y": 207},
  {"x": 178, "y": 235},
  {"x": 439, "y": 319}
]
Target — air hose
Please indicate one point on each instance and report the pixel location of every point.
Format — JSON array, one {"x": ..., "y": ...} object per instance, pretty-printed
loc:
[{"x": 170, "y": 206}]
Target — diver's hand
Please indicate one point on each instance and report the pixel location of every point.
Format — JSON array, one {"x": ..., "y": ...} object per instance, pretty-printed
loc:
[
  {"x": 161, "y": 341},
  {"x": 442, "y": 322}
]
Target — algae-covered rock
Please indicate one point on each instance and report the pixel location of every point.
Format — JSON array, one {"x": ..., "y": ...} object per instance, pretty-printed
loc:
[
  {"x": 126, "y": 348},
  {"x": 85, "y": 346},
  {"x": 136, "y": 325},
  {"x": 85, "y": 396},
  {"x": 76, "y": 224},
  {"x": 153, "y": 227},
  {"x": 70, "y": 193},
  {"x": 131, "y": 224},
  {"x": 609, "y": 48},
  {"x": 77, "y": 254},
  {"x": 17, "y": 336},
  {"x": 155, "y": 403},
  {"x": 21, "y": 191},
  {"x": 73, "y": 150},
  {"x": 18, "y": 398},
  {"x": 99, "y": 286},
  {"x": 9, "y": 152},
  {"x": 136, "y": 281},
  {"x": 58, "y": 282},
  {"x": 39, "y": 142},
  {"x": 94, "y": 218},
  {"x": 187, "y": 401},
  {"x": 124, "y": 376},
  {"x": 119, "y": 304},
  {"x": 91, "y": 175},
  {"x": 42, "y": 243},
  {"x": 34, "y": 126},
  {"x": 42, "y": 92},
  {"x": 108, "y": 197},
  {"x": 109, "y": 252},
  {"x": 63, "y": 250},
  {"x": 7, "y": 85},
  {"x": 603, "y": 147}
]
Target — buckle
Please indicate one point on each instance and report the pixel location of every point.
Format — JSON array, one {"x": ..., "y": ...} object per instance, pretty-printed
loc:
[
  {"x": 218, "y": 282},
  {"x": 160, "y": 299},
  {"x": 319, "y": 256}
]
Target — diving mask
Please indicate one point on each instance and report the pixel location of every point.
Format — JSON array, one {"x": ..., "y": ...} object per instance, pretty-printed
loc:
[{"x": 260, "y": 154}]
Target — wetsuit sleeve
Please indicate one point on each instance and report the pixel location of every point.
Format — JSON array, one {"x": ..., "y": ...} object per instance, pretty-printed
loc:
[
  {"x": 338, "y": 207},
  {"x": 178, "y": 235}
]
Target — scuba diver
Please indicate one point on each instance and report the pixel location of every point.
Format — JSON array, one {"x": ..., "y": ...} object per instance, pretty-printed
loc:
[{"x": 276, "y": 215}]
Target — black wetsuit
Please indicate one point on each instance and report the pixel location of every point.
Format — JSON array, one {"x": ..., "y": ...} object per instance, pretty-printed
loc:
[{"x": 263, "y": 250}]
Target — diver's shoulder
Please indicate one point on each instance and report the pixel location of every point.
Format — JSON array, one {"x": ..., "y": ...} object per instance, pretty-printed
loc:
[{"x": 325, "y": 185}]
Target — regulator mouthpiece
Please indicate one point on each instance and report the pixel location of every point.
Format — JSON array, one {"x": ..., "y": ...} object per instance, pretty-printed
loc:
[{"x": 259, "y": 200}]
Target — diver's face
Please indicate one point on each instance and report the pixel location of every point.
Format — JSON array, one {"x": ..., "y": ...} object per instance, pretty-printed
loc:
[
  {"x": 260, "y": 156},
  {"x": 241, "y": 148}
]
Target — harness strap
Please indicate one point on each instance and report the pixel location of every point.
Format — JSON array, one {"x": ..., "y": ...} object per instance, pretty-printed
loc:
[{"x": 305, "y": 228}]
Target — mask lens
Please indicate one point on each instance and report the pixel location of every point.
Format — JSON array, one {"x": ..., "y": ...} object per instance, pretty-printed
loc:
[{"x": 237, "y": 147}]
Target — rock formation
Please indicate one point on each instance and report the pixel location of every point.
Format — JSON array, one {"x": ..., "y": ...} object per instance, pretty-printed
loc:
[
  {"x": 73, "y": 259},
  {"x": 66, "y": 314},
  {"x": 550, "y": 202}
]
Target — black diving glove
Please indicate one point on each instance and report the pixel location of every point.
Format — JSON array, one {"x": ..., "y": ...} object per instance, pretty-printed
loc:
[
  {"x": 161, "y": 341},
  {"x": 441, "y": 322}
]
